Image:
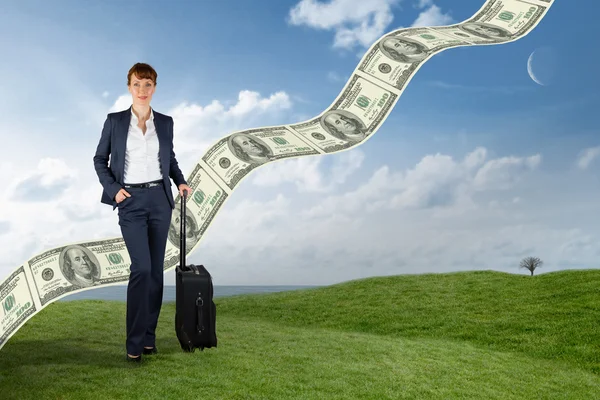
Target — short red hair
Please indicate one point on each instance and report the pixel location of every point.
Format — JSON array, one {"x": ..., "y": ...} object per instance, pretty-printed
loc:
[{"x": 142, "y": 71}]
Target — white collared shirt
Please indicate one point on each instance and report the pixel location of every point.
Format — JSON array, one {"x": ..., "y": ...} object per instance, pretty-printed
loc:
[{"x": 141, "y": 154}]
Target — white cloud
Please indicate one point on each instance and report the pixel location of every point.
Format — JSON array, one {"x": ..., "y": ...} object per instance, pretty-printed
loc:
[
  {"x": 475, "y": 158},
  {"x": 197, "y": 127},
  {"x": 587, "y": 156},
  {"x": 504, "y": 172},
  {"x": 359, "y": 22},
  {"x": 305, "y": 173},
  {"x": 430, "y": 218},
  {"x": 46, "y": 182},
  {"x": 354, "y": 22},
  {"x": 348, "y": 162},
  {"x": 249, "y": 215},
  {"x": 437, "y": 180},
  {"x": 249, "y": 101},
  {"x": 509, "y": 90},
  {"x": 123, "y": 102},
  {"x": 433, "y": 16}
]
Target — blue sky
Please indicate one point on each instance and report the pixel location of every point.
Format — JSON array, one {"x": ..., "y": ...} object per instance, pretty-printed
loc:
[{"x": 476, "y": 167}]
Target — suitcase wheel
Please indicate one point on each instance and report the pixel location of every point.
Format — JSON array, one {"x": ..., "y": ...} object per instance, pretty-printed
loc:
[{"x": 188, "y": 348}]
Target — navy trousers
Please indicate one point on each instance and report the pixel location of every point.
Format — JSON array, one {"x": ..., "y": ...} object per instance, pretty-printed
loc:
[{"x": 144, "y": 219}]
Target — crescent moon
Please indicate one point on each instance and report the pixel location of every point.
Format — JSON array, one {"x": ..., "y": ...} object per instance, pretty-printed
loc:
[{"x": 530, "y": 70}]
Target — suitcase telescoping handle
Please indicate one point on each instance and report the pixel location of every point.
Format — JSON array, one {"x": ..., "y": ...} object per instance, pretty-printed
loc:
[{"x": 182, "y": 231}]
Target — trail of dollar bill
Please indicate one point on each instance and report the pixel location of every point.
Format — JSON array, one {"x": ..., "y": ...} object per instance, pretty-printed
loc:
[{"x": 352, "y": 118}]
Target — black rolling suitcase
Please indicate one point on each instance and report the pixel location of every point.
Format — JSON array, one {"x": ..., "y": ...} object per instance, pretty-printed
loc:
[{"x": 195, "y": 311}]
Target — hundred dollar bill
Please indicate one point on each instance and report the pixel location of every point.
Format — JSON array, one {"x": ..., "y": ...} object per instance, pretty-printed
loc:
[
  {"x": 497, "y": 21},
  {"x": 202, "y": 206},
  {"x": 17, "y": 303},
  {"x": 236, "y": 155},
  {"x": 358, "y": 112},
  {"x": 84, "y": 265},
  {"x": 397, "y": 56}
]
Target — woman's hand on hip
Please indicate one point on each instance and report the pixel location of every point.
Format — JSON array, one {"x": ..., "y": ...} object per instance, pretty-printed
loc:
[{"x": 121, "y": 195}]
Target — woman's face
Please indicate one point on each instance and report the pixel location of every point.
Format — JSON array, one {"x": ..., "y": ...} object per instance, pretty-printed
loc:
[{"x": 141, "y": 90}]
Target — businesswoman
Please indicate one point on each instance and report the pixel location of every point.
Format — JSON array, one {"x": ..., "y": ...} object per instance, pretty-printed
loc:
[{"x": 139, "y": 141}]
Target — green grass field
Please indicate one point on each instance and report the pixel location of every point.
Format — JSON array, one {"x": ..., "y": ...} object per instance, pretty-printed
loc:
[{"x": 468, "y": 335}]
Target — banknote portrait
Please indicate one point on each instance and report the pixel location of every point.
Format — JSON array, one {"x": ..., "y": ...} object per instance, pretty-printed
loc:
[
  {"x": 402, "y": 49},
  {"x": 192, "y": 230},
  {"x": 485, "y": 31},
  {"x": 344, "y": 125},
  {"x": 249, "y": 148},
  {"x": 79, "y": 266}
]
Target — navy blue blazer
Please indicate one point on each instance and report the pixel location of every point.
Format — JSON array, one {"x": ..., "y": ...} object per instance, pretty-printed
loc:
[{"x": 113, "y": 143}]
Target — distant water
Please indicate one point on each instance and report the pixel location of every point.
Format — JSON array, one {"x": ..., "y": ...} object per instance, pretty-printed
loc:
[{"x": 119, "y": 293}]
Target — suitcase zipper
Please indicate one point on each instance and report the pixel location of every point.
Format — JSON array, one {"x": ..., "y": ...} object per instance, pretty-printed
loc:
[{"x": 199, "y": 304}]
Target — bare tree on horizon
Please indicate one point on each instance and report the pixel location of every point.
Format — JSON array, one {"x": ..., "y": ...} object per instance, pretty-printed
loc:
[{"x": 531, "y": 263}]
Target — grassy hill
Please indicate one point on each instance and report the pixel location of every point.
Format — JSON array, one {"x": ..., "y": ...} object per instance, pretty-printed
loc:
[
  {"x": 479, "y": 335},
  {"x": 554, "y": 315}
]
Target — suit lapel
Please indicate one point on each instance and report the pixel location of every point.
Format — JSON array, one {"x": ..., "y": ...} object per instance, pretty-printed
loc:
[
  {"x": 122, "y": 134},
  {"x": 161, "y": 132}
]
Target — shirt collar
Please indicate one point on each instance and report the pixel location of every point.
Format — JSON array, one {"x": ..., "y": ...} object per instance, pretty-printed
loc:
[{"x": 134, "y": 117}]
